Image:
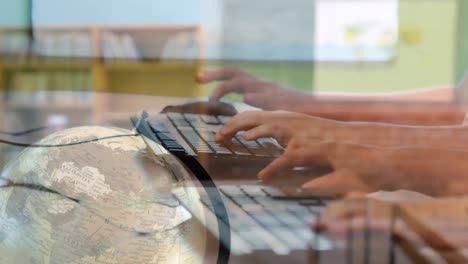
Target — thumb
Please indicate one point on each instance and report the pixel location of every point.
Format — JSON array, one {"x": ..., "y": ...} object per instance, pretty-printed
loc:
[{"x": 338, "y": 182}]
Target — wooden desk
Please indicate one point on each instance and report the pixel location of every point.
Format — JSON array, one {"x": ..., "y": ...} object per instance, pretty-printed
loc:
[{"x": 104, "y": 109}]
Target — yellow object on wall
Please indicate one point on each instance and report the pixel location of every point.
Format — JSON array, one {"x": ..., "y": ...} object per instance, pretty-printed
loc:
[{"x": 411, "y": 35}]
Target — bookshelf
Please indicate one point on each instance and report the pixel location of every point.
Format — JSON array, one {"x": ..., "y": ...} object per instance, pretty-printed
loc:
[{"x": 153, "y": 60}]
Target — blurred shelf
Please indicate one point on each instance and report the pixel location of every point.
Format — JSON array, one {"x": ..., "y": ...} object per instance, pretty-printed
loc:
[
  {"x": 118, "y": 61},
  {"x": 149, "y": 66},
  {"x": 46, "y": 65},
  {"x": 50, "y": 107}
]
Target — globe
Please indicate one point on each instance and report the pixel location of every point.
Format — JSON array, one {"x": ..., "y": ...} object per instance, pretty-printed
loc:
[{"x": 97, "y": 195}]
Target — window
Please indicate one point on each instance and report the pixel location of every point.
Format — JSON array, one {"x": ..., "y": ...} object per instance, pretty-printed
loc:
[
  {"x": 305, "y": 30},
  {"x": 356, "y": 30}
]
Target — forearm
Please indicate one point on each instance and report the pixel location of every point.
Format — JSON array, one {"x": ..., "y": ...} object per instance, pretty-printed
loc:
[
  {"x": 391, "y": 135},
  {"x": 440, "y": 94},
  {"x": 433, "y": 171},
  {"x": 386, "y": 108}
]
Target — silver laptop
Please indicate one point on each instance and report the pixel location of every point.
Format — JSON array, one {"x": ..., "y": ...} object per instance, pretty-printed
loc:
[{"x": 248, "y": 220}]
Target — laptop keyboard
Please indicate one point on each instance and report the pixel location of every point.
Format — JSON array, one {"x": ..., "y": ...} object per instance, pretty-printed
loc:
[
  {"x": 260, "y": 217},
  {"x": 264, "y": 218},
  {"x": 194, "y": 134}
]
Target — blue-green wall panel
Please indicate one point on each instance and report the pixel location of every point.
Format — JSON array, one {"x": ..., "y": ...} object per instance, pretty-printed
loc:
[{"x": 14, "y": 12}]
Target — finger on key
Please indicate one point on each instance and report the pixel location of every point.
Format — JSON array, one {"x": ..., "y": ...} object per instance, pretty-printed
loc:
[{"x": 243, "y": 121}]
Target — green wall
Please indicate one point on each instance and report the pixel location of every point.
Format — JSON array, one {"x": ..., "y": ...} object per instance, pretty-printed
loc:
[
  {"x": 299, "y": 75},
  {"x": 431, "y": 52},
  {"x": 430, "y": 32},
  {"x": 426, "y": 54},
  {"x": 462, "y": 43}
]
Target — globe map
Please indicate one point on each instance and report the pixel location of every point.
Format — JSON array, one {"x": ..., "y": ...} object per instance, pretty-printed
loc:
[{"x": 105, "y": 201}]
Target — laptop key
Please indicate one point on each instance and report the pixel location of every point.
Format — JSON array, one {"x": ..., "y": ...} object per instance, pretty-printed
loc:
[
  {"x": 258, "y": 231},
  {"x": 195, "y": 140},
  {"x": 240, "y": 200},
  {"x": 231, "y": 190},
  {"x": 265, "y": 218},
  {"x": 289, "y": 237},
  {"x": 159, "y": 127},
  {"x": 178, "y": 119},
  {"x": 239, "y": 246},
  {"x": 305, "y": 193},
  {"x": 236, "y": 147},
  {"x": 253, "y": 190},
  {"x": 224, "y": 119},
  {"x": 312, "y": 202},
  {"x": 174, "y": 116},
  {"x": 160, "y": 124},
  {"x": 305, "y": 233},
  {"x": 256, "y": 243},
  {"x": 249, "y": 208},
  {"x": 164, "y": 136},
  {"x": 177, "y": 151},
  {"x": 219, "y": 149},
  {"x": 254, "y": 147},
  {"x": 209, "y": 119},
  {"x": 168, "y": 132},
  {"x": 273, "y": 192},
  {"x": 208, "y": 136},
  {"x": 298, "y": 209},
  {"x": 181, "y": 123},
  {"x": 170, "y": 144},
  {"x": 192, "y": 117},
  {"x": 288, "y": 219},
  {"x": 271, "y": 146},
  {"x": 307, "y": 217},
  {"x": 315, "y": 209},
  {"x": 260, "y": 152},
  {"x": 268, "y": 202}
]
